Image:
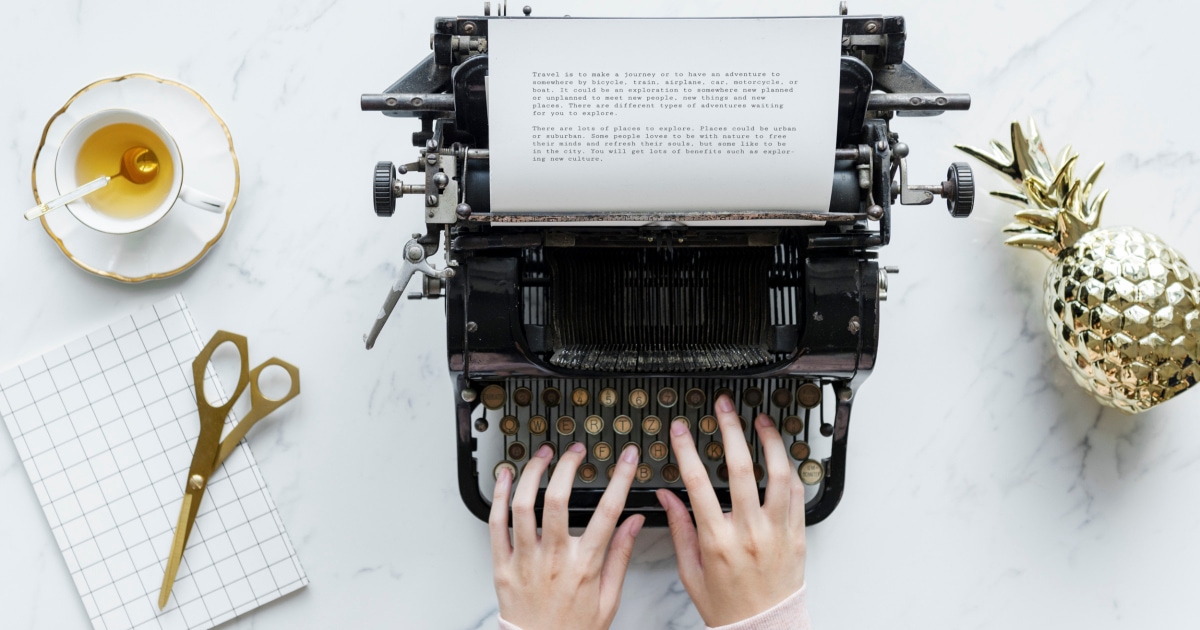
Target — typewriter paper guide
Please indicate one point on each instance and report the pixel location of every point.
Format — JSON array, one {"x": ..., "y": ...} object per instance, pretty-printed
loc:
[{"x": 669, "y": 115}]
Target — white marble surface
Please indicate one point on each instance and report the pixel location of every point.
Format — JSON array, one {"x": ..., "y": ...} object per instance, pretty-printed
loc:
[{"x": 985, "y": 490}]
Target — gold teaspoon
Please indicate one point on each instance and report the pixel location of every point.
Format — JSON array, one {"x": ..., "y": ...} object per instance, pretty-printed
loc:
[{"x": 138, "y": 165}]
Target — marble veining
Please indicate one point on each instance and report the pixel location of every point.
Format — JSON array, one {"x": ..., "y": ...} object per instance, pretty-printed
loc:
[{"x": 985, "y": 490}]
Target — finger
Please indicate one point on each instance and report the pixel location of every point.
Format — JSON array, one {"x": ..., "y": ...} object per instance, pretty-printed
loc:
[
  {"x": 683, "y": 534},
  {"x": 555, "y": 516},
  {"x": 779, "y": 469},
  {"x": 695, "y": 478},
  {"x": 600, "y": 529},
  {"x": 796, "y": 513},
  {"x": 743, "y": 488},
  {"x": 498, "y": 520},
  {"x": 612, "y": 576},
  {"x": 524, "y": 521}
]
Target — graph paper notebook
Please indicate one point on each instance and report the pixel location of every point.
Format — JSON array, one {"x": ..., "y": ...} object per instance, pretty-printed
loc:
[{"x": 105, "y": 427}]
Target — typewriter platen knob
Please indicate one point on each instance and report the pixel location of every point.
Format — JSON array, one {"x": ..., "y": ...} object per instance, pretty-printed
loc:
[
  {"x": 961, "y": 199},
  {"x": 385, "y": 189}
]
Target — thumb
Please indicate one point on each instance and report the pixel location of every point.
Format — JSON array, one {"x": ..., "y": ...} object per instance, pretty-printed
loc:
[{"x": 620, "y": 550}]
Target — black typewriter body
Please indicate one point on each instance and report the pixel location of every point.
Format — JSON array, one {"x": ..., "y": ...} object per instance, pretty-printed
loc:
[{"x": 605, "y": 334}]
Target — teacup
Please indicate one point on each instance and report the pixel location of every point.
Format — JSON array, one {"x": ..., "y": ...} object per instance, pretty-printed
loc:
[{"x": 168, "y": 183}]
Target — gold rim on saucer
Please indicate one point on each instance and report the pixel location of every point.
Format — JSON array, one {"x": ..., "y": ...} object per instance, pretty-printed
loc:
[{"x": 237, "y": 179}]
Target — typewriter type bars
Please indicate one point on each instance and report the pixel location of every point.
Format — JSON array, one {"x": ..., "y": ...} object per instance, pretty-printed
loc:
[{"x": 556, "y": 325}]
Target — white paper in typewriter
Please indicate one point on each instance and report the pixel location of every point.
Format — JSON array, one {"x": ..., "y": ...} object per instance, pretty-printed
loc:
[
  {"x": 662, "y": 114},
  {"x": 105, "y": 427}
]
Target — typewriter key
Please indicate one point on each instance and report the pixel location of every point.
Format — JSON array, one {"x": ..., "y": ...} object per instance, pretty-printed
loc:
[
  {"x": 493, "y": 397},
  {"x": 752, "y": 397},
  {"x": 553, "y": 449},
  {"x": 638, "y": 398},
  {"x": 579, "y": 396},
  {"x": 723, "y": 473},
  {"x": 759, "y": 473},
  {"x": 522, "y": 396},
  {"x": 782, "y": 397},
  {"x": 684, "y": 419},
  {"x": 622, "y": 425},
  {"x": 609, "y": 472},
  {"x": 811, "y": 472},
  {"x": 565, "y": 425},
  {"x": 714, "y": 451},
  {"x": 708, "y": 425},
  {"x": 608, "y": 397},
  {"x": 537, "y": 425},
  {"x": 602, "y": 451},
  {"x": 799, "y": 450},
  {"x": 657, "y": 451},
  {"x": 551, "y": 397},
  {"x": 481, "y": 424},
  {"x": 667, "y": 397},
  {"x": 516, "y": 451},
  {"x": 509, "y": 425},
  {"x": 651, "y": 425},
  {"x": 593, "y": 425},
  {"x": 670, "y": 473},
  {"x": 808, "y": 395},
  {"x": 512, "y": 468},
  {"x": 723, "y": 391},
  {"x": 588, "y": 472},
  {"x": 644, "y": 473},
  {"x": 793, "y": 425},
  {"x": 694, "y": 397}
]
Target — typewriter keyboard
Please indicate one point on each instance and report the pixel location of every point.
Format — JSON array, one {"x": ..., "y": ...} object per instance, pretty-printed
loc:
[{"x": 517, "y": 416}]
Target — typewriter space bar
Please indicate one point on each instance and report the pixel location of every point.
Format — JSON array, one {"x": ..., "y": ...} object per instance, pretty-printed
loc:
[{"x": 651, "y": 217}]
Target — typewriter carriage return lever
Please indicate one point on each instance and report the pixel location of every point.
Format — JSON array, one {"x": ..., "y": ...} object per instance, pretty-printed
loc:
[{"x": 545, "y": 336}]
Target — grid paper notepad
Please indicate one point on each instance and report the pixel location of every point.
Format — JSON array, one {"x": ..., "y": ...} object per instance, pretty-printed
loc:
[{"x": 105, "y": 427}]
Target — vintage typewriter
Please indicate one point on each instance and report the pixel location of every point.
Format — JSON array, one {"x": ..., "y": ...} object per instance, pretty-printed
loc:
[{"x": 604, "y": 333}]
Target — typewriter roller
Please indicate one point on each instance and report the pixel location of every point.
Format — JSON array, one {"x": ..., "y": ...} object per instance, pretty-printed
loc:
[{"x": 603, "y": 333}]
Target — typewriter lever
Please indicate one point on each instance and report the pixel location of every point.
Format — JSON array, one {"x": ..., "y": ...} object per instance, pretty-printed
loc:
[{"x": 414, "y": 261}]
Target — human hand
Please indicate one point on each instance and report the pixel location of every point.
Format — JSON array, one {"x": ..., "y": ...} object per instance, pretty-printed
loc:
[
  {"x": 556, "y": 580},
  {"x": 739, "y": 564}
]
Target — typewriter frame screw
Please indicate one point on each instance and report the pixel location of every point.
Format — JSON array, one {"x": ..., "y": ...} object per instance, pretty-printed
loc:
[
  {"x": 472, "y": 327},
  {"x": 854, "y": 326},
  {"x": 469, "y": 395}
]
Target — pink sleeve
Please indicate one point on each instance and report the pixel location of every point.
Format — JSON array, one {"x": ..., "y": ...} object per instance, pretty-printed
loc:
[
  {"x": 789, "y": 614},
  {"x": 504, "y": 625}
]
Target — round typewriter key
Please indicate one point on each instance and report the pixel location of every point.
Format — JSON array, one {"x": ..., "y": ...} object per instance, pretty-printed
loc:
[
  {"x": 622, "y": 425},
  {"x": 537, "y": 425},
  {"x": 808, "y": 395},
  {"x": 826, "y": 429},
  {"x": 723, "y": 391},
  {"x": 811, "y": 472},
  {"x": 644, "y": 473},
  {"x": 793, "y": 425},
  {"x": 493, "y": 397},
  {"x": 667, "y": 397},
  {"x": 684, "y": 419},
  {"x": 609, "y": 472},
  {"x": 714, "y": 451},
  {"x": 553, "y": 448},
  {"x": 799, "y": 450},
  {"x": 593, "y": 424},
  {"x": 651, "y": 425},
  {"x": 708, "y": 425},
  {"x": 759, "y": 473},
  {"x": 723, "y": 473},
  {"x": 551, "y": 397},
  {"x": 509, "y": 425},
  {"x": 781, "y": 397},
  {"x": 752, "y": 397},
  {"x": 608, "y": 397},
  {"x": 512, "y": 468},
  {"x": 694, "y": 397},
  {"x": 670, "y": 473},
  {"x": 638, "y": 398},
  {"x": 657, "y": 451},
  {"x": 517, "y": 451},
  {"x": 579, "y": 396},
  {"x": 565, "y": 425},
  {"x": 602, "y": 451},
  {"x": 481, "y": 424},
  {"x": 588, "y": 472},
  {"x": 522, "y": 396}
]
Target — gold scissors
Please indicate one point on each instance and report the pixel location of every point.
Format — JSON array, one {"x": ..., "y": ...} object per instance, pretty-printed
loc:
[{"x": 211, "y": 450}]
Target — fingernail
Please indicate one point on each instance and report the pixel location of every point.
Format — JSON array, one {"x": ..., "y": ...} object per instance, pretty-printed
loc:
[
  {"x": 678, "y": 428},
  {"x": 724, "y": 404},
  {"x": 637, "y": 527},
  {"x": 505, "y": 474},
  {"x": 763, "y": 420},
  {"x": 576, "y": 447},
  {"x": 544, "y": 451},
  {"x": 630, "y": 454}
]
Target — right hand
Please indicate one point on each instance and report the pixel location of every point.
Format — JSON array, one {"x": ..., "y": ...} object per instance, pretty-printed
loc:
[{"x": 737, "y": 565}]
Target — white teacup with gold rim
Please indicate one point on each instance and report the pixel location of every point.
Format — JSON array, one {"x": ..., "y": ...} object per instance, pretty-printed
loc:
[{"x": 93, "y": 148}]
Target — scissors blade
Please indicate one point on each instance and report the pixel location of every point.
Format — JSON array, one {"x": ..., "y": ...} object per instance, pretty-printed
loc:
[{"x": 187, "y": 517}]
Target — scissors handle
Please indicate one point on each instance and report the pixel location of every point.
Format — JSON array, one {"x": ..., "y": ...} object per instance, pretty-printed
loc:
[
  {"x": 208, "y": 413},
  {"x": 260, "y": 405}
]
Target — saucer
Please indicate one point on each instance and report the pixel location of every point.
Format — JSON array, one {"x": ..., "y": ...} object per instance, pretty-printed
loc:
[{"x": 181, "y": 238}]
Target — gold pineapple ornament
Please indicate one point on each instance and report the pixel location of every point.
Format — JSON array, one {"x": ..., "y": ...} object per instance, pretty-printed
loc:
[{"x": 1122, "y": 306}]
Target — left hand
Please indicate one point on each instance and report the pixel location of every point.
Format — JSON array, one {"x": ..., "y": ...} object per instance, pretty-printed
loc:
[{"x": 556, "y": 581}]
